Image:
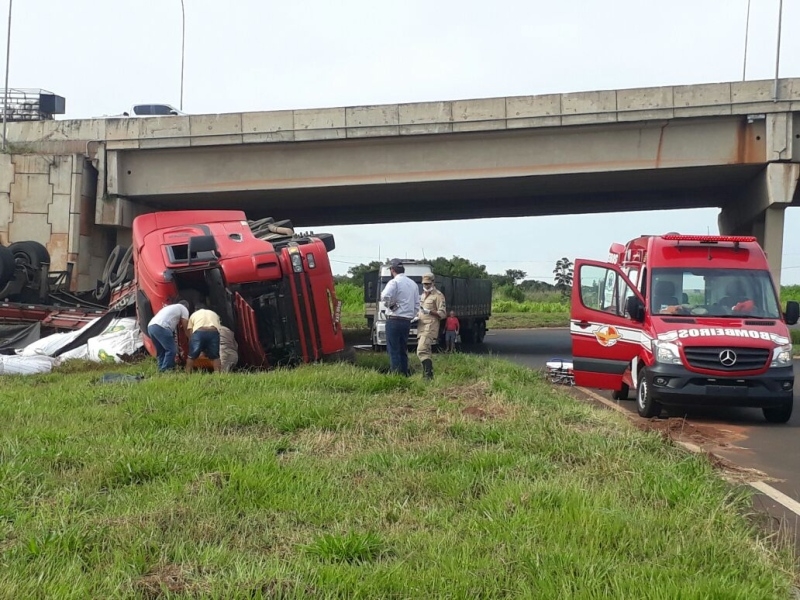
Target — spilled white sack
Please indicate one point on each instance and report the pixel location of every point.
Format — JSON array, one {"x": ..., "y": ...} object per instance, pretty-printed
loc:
[{"x": 27, "y": 365}]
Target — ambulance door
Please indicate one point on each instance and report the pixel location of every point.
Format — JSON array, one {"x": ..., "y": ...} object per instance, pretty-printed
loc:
[{"x": 605, "y": 339}]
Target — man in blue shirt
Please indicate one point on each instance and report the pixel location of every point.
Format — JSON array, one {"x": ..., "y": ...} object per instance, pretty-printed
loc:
[{"x": 401, "y": 298}]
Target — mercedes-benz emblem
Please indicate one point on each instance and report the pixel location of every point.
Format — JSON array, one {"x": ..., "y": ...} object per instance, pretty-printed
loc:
[{"x": 727, "y": 358}]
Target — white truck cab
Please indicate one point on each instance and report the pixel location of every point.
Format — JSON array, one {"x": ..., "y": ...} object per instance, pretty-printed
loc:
[{"x": 414, "y": 270}]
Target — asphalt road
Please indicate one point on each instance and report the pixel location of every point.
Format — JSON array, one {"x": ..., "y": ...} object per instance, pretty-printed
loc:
[{"x": 741, "y": 436}]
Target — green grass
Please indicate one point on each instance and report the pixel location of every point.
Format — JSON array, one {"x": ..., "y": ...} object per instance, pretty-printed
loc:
[
  {"x": 528, "y": 320},
  {"x": 339, "y": 481}
]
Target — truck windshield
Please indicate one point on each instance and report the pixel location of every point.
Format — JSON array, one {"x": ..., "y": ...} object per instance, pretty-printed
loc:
[{"x": 732, "y": 293}]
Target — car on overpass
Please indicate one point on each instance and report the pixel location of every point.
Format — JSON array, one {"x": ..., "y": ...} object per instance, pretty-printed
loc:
[{"x": 152, "y": 110}]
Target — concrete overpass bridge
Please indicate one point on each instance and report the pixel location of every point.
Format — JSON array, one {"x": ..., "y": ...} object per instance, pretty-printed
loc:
[{"x": 77, "y": 185}]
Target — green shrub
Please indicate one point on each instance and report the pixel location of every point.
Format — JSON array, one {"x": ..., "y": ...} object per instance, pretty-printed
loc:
[{"x": 351, "y": 296}]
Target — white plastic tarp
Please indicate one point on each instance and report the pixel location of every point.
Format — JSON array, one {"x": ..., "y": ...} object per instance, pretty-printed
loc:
[{"x": 120, "y": 337}]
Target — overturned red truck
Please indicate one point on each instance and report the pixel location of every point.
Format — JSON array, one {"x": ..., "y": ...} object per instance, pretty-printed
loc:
[
  {"x": 277, "y": 295},
  {"x": 272, "y": 287}
]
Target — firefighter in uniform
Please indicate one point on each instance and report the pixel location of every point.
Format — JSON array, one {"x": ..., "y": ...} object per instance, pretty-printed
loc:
[{"x": 431, "y": 311}]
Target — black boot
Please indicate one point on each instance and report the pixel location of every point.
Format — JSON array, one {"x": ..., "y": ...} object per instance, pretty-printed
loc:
[{"x": 427, "y": 368}]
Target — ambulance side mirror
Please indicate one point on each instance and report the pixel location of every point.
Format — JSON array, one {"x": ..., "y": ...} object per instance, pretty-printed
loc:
[
  {"x": 792, "y": 313},
  {"x": 635, "y": 308}
]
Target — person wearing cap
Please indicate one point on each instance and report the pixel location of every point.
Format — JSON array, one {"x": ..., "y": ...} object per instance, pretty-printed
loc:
[
  {"x": 401, "y": 298},
  {"x": 161, "y": 330},
  {"x": 431, "y": 311}
]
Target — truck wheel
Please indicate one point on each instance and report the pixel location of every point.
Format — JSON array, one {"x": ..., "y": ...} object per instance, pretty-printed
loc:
[
  {"x": 645, "y": 405},
  {"x": 32, "y": 254},
  {"x": 621, "y": 393},
  {"x": 124, "y": 270},
  {"x": 102, "y": 291},
  {"x": 778, "y": 414},
  {"x": 7, "y": 266},
  {"x": 480, "y": 332}
]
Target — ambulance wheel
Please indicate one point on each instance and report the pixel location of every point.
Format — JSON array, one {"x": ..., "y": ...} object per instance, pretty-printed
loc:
[
  {"x": 646, "y": 406},
  {"x": 778, "y": 414},
  {"x": 621, "y": 393}
]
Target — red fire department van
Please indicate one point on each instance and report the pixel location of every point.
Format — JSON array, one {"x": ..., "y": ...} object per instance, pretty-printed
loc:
[{"x": 684, "y": 320}]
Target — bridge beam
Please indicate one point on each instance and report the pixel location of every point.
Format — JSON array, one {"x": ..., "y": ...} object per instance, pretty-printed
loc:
[{"x": 759, "y": 211}]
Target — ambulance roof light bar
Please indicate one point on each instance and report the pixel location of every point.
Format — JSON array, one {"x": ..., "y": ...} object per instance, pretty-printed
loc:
[{"x": 709, "y": 239}]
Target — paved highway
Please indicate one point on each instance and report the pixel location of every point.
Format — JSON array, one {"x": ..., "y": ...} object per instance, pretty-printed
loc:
[{"x": 741, "y": 436}]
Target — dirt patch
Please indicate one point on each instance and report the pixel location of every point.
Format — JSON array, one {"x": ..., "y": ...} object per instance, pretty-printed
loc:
[
  {"x": 164, "y": 580},
  {"x": 679, "y": 429},
  {"x": 475, "y": 411},
  {"x": 477, "y": 392},
  {"x": 735, "y": 473},
  {"x": 477, "y": 401}
]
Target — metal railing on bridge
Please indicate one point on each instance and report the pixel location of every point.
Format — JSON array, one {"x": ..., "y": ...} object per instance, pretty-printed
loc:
[{"x": 30, "y": 104}]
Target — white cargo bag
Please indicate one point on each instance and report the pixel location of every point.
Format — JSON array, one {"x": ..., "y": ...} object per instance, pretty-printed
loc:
[{"x": 27, "y": 365}]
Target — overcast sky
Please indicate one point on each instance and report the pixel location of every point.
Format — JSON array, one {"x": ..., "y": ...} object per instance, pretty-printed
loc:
[{"x": 242, "y": 55}]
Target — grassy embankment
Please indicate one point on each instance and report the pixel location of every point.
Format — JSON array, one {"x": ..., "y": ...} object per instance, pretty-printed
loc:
[{"x": 341, "y": 481}]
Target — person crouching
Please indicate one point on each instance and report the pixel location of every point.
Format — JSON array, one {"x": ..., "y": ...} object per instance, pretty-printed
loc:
[{"x": 203, "y": 329}]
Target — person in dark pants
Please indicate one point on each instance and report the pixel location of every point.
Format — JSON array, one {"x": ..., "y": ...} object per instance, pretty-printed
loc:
[
  {"x": 204, "y": 326},
  {"x": 401, "y": 298},
  {"x": 161, "y": 331}
]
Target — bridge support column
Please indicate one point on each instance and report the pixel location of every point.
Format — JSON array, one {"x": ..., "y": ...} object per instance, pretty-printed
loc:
[{"x": 759, "y": 211}]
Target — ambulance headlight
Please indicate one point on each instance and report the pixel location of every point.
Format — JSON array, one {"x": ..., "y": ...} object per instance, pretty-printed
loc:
[
  {"x": 666, "y": 352},
  {"x": 782, "y": 356}
]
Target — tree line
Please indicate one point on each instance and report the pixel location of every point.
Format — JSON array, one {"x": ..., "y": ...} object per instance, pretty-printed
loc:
[{"x": 512, "y": 282}]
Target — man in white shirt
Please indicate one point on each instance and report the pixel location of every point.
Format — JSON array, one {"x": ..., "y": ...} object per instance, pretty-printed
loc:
[
  {"x": 401, "y": 298},
  {"x": 161, "y": 331}
]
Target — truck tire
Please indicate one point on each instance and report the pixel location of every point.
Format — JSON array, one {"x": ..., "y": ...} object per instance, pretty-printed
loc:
[
  {"x": 480, "y": 332},
  {"x": 7, "y": 266},
  {"x": 779, "y": 414},
  {"x": 32, "y": 254},
  {"x": 102, "y": 291},
  {"x": 646, "y": 406},
  {"x": 124, "y": 270}
]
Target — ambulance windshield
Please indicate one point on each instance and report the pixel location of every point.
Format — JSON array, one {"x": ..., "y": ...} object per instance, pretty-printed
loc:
[{"x": 732, "y": 293}]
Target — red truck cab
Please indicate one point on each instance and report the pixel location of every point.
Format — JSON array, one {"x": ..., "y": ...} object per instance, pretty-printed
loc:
[
  {"x": 277, "y": 297},
  {"x": 684, "y": 320}
]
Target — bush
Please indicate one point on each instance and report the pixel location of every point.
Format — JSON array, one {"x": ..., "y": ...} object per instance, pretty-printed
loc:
[
  {"x": 510, "y": 292},
  {"x": 790, "y": 292},
  {"x": 351, "y": 296},
  {"x": 507, "y": 306},
  {"x": 795, "y": 333}
]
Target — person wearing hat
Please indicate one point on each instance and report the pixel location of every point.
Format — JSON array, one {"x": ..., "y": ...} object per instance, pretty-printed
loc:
[
  {"x": 401, "y": 298},
  {"x": 431, "y": 311}
]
